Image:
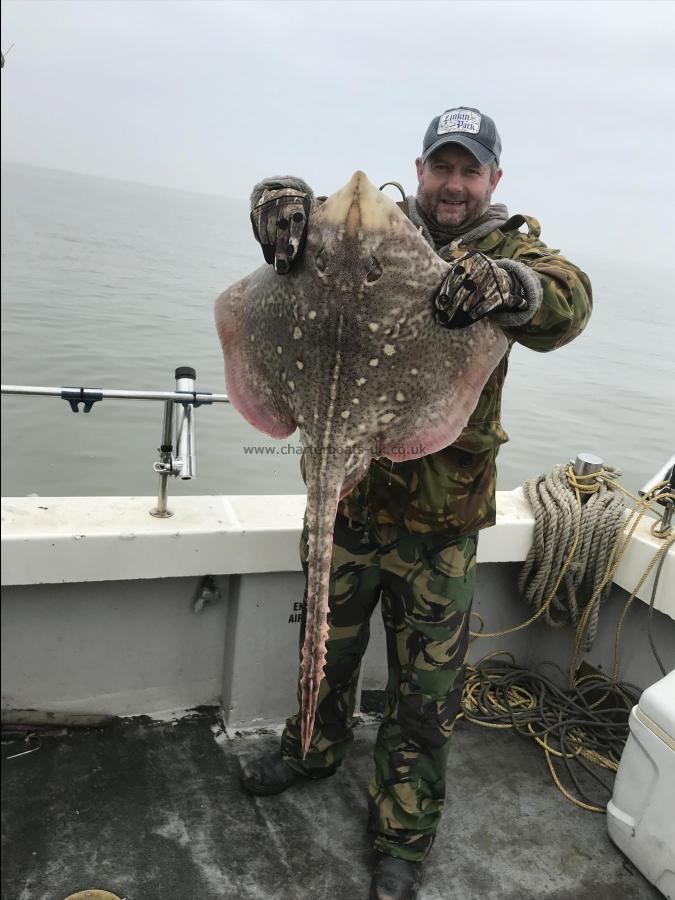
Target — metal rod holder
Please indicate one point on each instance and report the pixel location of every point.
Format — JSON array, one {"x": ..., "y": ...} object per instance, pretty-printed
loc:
[
  {"x": 177, "y": 451},
  {"x": 661, "y": 484},
  {"x": 185, "y": 461},
  {"x": 164, "y": 466},
  {"x": 179, "y": 410},
  {"x": 665, "y": 474}
]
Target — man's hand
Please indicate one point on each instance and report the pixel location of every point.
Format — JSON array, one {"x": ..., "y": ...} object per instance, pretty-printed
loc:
[
  {"x": 279, "y": 218},
  {"x": 474, "y": 287}
]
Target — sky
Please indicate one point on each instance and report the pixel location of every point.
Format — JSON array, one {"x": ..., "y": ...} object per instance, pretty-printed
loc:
[{"x": 212, "y": 96}]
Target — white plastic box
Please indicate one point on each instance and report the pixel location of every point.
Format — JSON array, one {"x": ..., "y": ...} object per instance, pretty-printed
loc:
[{"x": 641, "y": 813}]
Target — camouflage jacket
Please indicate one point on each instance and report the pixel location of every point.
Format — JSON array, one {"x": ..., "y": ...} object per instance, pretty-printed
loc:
[{"x": 453, "y": 491}]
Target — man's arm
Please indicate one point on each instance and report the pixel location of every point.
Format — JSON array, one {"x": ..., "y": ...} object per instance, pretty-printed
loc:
[
  {"x": 534, "y": 294},
  {"x": 477, "y": 286},
  {"x": 567, "y": 298}
]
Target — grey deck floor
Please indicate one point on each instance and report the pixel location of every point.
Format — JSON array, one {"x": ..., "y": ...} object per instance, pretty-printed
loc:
[{"x": 153, "y": 811}]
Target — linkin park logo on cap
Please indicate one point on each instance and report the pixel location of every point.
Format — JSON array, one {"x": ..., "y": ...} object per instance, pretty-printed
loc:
[
  {"x": 467, "y": 127},
  {"x": 459, "y": 120}
]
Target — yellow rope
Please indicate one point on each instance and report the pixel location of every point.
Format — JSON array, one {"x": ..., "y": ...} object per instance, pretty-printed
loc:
[
  {"x": 655, "y": 559},
  {"x": 588, "y": 806},
  {"x": 518, "y": 697},
  {"x": 579, "y": 485},
  {"x": 545, "y": 605},
  {"x": 644, "y": 505}
]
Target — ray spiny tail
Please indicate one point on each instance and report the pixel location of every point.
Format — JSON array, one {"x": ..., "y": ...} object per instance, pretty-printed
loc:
[
  {"x": 324, "y": 474},
  {"x": 324, "y": 480}
]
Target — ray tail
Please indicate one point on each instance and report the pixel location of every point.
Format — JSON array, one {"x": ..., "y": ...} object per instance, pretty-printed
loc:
[{"x": 324, "y": 480}]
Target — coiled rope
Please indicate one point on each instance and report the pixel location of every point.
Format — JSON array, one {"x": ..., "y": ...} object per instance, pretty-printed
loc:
[
  {"x": 581, "y": 729},
  {"x": 585, "y": 725},
  {"x": 566, "y": 526}
]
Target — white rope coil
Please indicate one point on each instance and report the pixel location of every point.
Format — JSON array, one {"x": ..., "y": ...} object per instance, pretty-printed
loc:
[{"x": 558, "y": 515}]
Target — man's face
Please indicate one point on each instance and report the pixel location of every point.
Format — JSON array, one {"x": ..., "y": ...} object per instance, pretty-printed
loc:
[{"x": 453, "y": 188}]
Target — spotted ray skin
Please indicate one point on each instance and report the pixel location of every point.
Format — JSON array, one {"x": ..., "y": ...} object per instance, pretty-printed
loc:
[{"x": 345, "y": 348}]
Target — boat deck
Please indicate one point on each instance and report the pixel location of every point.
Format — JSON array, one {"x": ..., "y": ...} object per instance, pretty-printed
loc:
[{"x": 153, "y": 811}]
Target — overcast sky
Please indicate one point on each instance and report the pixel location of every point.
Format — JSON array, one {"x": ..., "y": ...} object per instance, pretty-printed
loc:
[{"x": 211, "y": 96}]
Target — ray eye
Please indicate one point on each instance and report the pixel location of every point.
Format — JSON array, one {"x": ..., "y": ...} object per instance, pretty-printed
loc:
[{"x": 374, "y": 270}]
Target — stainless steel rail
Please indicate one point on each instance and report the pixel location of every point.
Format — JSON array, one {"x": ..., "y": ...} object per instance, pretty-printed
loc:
[
  {"x": 183, "y": 396},
  {"x": 177, "y": 455}
]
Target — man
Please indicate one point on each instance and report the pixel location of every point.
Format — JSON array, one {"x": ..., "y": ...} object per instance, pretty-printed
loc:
[{"x": 408, "y": 532}]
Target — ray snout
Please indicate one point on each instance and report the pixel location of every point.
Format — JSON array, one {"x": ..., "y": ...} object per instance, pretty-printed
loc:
[{"x": 359, "y": 207}]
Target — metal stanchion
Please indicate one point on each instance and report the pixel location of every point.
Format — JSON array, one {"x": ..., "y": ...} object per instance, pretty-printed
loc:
[
  {"x": 165, "y": 465},
  {"x": 179, "y": 409}
]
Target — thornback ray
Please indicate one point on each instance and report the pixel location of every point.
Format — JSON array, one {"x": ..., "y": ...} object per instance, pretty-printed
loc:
[{"x": 345, "y": 347}]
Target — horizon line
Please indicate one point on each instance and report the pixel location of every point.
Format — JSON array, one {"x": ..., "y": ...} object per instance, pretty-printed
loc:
[{"x": 148, "y": 184}]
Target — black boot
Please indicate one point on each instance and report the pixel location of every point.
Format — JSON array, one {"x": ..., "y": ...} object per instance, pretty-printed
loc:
[
  {"x": 269, "y": 774},
  {"x": 395, "y": 879}
]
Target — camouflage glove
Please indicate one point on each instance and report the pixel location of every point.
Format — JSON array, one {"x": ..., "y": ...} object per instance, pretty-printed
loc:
[
  {"x": 279, "y": 216},
  {"x": 477, "y": 286}
]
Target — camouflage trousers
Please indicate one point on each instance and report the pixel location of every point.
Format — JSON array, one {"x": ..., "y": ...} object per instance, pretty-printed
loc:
[{"x": 426, "y": 584}]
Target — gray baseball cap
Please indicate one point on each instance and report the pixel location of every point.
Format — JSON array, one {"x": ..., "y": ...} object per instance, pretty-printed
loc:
[{"x": 468, "y": 127}]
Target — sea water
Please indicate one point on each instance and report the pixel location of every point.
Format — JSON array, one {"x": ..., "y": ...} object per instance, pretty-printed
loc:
[{"x": 109, "y": 284}]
